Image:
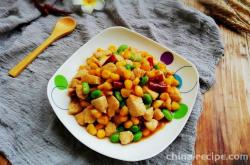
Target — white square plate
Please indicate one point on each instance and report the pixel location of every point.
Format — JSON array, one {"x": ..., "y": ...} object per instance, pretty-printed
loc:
[{"x": 185, "y": 72}]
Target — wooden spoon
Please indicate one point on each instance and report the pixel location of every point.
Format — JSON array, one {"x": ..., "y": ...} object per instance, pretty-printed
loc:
[{"x": 64, "y": 26}]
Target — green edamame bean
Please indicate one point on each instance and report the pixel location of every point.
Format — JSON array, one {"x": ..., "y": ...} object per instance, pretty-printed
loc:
[
  {"x": 129, "y": 66},
  {"x": 118, "y": 96},
  {"x": 120, "y": 128},
  {"x": 137, "y": 136},
  {"x": 157, "y": 67},
  {"x": 135, "y": 128},
  {"x": 121, "y": 48},
  {"x": 143, "y": 80},
  {"x": 147, "y": 99},
  {"x": 96, "y": 93},
  {"x": 168, "y": 115},
  {"x": 122, "y": 103},
  {"x": 114, "y": 138},
  {"x": 85, "y": 88}
]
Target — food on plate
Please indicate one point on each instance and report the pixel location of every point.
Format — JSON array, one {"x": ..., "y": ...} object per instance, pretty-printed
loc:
[{"x": 124, "y": 94}]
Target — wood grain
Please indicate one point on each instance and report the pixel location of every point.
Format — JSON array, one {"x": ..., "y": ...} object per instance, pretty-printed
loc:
[{"x": 224, "y": 126}]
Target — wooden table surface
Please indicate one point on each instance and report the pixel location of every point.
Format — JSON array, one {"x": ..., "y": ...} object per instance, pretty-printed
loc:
[{"x": 224, "y": 126}]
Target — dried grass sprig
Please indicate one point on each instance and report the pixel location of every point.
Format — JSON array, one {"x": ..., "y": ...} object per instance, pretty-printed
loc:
[{"x": 232, "y": 13}]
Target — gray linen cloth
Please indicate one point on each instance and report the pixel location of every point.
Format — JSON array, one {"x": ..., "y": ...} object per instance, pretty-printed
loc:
[{"x": 30, "y": 132}]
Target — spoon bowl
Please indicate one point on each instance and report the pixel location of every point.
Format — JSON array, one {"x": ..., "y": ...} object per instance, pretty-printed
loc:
[{"x": 64, "y": 26}]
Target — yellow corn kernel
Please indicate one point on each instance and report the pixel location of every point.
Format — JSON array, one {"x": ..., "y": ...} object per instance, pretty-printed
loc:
[
  {"x": 127, "y": 74},
  {"x": 120, "y": 63},
  {"x": 100, "y": 133},
  {"x": 175, "y": 106},
  {"x": 146, "y": 132},
  {"x": 112, "y": 48},
  {"x": 106, "y": 74},
  {"x": 125, "y": 92},
  {"x": 93, "y": 65},
  {"x": 91, "y": 129},
  {"x": 95, "y": 113},
  {"x": 81, "y": 67},
  {"x": 128, "y": 124},
  {"x": 98, "y": 72},
  {"x": 99, "y": 49},
  {"x": 164, "y": 96},
  {"x": 157, "y": 104},
  {"x": 99, "y": 126},
  {"x": 103, "y": 120},
  {"x": 167, "y": 104},
  {"x": 168, "y": 80},
  {"x": 105, "y": 86},
  {"x": 162, "y": 66},
  {"x": 151, "y": 74},
  {"x": 136, "y": 81},
  {"x": 126, "y": 54},
  {"x": 135, "y": 120},
  {"x": 115, "y": 77},
  {"x": 138, "y": 91},
  {"x": 137, "y": 64},
  {"x": 175, "y": 82},
  {"x": 128, "y": 84},
  {"x": 158, "y": 115},
  {"x": 124, "y": 111},
  {"x": 122, "y": 119}
]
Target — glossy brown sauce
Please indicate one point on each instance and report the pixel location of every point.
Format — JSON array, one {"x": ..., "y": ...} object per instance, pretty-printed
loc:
[{"x": 159, "y": 127}]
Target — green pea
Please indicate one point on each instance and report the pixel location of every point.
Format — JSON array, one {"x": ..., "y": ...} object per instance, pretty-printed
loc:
[
  {"x": 120, "y": 128},
  {"x": 114, "y": 138},
  {"x": 135, "y": 128},
  {"x": 122, "y": 48},
  {"x": 137, "y": 136},
  {"x": 118, "y": 96},
  {"x": 147, "y": 99},
  {"x": 157, "y": 67},
  {"x": 96, "y": 93},
  {"x": 129, "y": 66},
  {"x": 85, "y": 88},
  {"x": 143, "y": 80},
  {"x": 168, "y": 115}
]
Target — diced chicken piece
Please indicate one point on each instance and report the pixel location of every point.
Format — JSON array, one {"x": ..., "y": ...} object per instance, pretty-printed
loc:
[
  {"x": 113, "y": 105},
  {"x": 158, "y": 115},
  {"x": 126, "y": 137},
  {"x": 119, "y": 58},
  {"x": 152, "y": 93},
  {"x": 80, "y": 118},
  {"x": 110, "y": 129},
  {"x": 80, "y": 74},
  {"x": 100, "y": 104},
  {"x": 79, "y": 92},
  {"x": 85, "y": 116},
  {"x": 75, "y": 82},
  {"x": 136, "y": 106},
  {"x": 102, "y": 60},
  {"x": 151, "y": 125},
  {"x": 110, "y": 66},
  {"x": 139, "y": 72},
  {"x": 149, "y": 114},
  {"x": 74, "y": 107},
  {"x": 91, "y": 79}
]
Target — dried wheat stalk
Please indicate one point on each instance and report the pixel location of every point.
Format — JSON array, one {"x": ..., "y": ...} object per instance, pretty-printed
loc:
[{"x": 232, "y": 13}]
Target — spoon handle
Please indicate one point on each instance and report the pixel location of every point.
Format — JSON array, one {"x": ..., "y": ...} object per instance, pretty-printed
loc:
[{"x": 16, "y": 70}]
